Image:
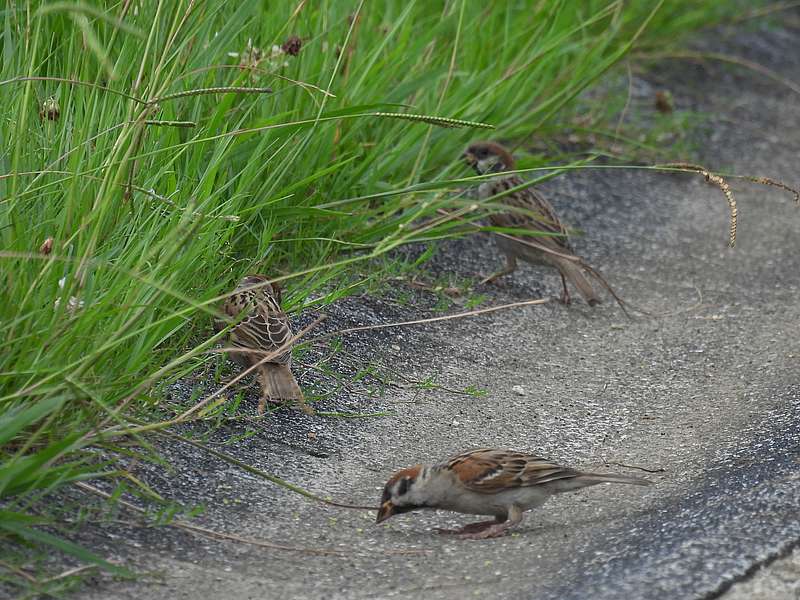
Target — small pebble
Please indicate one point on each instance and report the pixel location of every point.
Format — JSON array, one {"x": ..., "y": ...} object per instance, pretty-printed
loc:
[{"x": 518, "y": 390}]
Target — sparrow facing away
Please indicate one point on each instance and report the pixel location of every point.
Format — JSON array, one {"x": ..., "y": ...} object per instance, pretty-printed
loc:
[
  {"x": 502, "y": 483},
  {"x": 550, "y": 250},
  {"x": 263, "y": 328}
]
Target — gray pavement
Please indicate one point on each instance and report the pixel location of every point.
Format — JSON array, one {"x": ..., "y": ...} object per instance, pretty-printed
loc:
[
  {"x": 707, "y": 391},
  {"x": 779, "y": 581}
]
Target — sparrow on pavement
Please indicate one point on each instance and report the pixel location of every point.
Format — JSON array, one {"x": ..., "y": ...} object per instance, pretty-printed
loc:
[
  {"x": 536, "y": 214},
  {"x": 501, "y": 483},
  {"x": 262, "y": 331}
]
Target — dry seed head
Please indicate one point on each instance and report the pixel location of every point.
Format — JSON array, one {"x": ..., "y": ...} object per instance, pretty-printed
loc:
[
  {"x": 50, "y": 109},
  {"x": 721, "y": 184},
  {"x": 434, "y": 120},
  {"x": 46, "y": 247},
  {"x": 73, "y": 304},
  {"x": 778, "y": 184},
  {"x": 251, "y": 56},
  {"x": 726, "y": 189},
  {"x": 292, "y": 45},
  {"x": 664, "y": 102}
]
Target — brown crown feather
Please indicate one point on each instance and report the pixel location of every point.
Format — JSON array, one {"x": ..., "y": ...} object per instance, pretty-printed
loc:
[
  {"x": 272, "y": 289},
  {"x": 496, "y": 149},
  {"x": 410, "y": 472}
]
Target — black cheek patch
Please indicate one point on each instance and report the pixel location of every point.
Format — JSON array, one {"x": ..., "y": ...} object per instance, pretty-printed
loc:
[{"x": 405, "y": 484}]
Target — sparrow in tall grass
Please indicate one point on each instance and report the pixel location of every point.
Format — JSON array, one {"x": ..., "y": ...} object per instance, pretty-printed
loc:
[
  {"x": 262, "y": 331},
  {"x": 535, "y": 214},
  {"x": 501, "y": 483}
]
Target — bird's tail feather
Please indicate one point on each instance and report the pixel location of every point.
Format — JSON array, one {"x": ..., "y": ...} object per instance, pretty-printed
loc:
[
  {"x": 602, "y": 280},
  {"x": 574, "y": 273},
  {"x": 597, "y": 276},
  {"x": 577, "y": 481},
  {"x": 574, "y": 268},
  {"x": 278, "y": 383},
  {"x": 592, "y": 478}
]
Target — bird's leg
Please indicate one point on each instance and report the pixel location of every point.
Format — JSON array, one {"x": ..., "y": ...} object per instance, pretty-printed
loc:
[
  {"x": 265, "y": 395},
  {"x": 565, "y": 299},
  {"x": 305, "y": 407},
  {"x": 469, "y": 528},
  {"x": 494, "y": 530},
  {"x": 511, "y": 266},
  {"x": 497, "y": 528}
]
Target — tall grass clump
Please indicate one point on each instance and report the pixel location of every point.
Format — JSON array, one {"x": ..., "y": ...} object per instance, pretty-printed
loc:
[{"x": 151, "y": 153}]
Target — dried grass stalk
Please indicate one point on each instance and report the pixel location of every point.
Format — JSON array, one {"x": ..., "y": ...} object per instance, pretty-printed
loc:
[
  {"x": 721, "y": 184},
  {"x": 777, "y": 184}
]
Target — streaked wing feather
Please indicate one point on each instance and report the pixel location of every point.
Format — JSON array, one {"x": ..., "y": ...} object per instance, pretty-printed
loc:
[
  {"x": 531, "y": 200},
  {"x": 265, "y": 327},
  {"x": 489, "y": 471}
]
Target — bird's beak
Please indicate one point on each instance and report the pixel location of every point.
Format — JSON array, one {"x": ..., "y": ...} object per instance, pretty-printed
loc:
[
  {"x": 386, "y": 510},
  {"x": 470, "y": 159}
]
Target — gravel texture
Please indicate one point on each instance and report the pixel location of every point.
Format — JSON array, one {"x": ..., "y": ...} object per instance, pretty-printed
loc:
[{"x": 705, "y": 394}]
